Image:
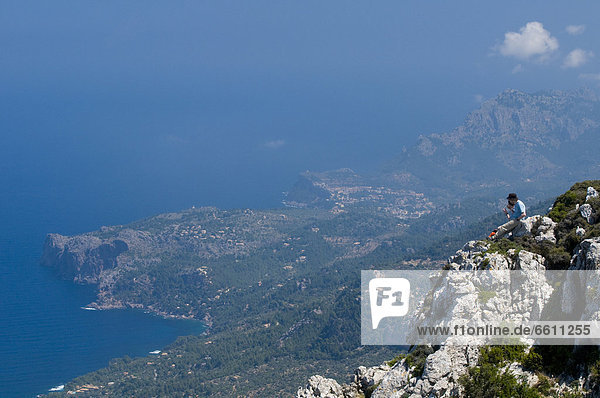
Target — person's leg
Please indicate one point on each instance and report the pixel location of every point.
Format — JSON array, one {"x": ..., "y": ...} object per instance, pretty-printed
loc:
[
  {"x": 506, "y": 228},
  {"x": 519, "y": 229}
]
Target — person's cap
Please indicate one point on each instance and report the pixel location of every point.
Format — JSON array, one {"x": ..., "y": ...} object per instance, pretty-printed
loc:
[{"x": 512, "y": 196}]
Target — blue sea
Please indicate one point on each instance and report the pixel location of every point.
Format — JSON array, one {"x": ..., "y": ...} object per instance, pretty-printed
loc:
[
  {"x": 46, "y": 338},
  {"x": 73, "y": 159}
]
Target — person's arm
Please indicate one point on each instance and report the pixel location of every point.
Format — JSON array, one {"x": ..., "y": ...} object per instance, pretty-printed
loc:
[{"x": 506, "y": 211}]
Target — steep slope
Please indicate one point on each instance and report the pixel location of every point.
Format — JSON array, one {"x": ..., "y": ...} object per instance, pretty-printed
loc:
[{"x": 569, "y": 239}]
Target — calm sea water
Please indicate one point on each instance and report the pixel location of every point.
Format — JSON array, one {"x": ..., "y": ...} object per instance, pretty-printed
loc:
[
  {"x": 46, "y": 338},
  {"x": 73, "y": 161}
]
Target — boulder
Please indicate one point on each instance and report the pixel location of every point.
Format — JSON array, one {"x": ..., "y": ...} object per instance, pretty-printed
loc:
[
  {"x": 587, "y": 255},
  {"x": 591, "y": 193},
  {"x": 545, "y": 231},
  {"x": 586, "y": 212},
  {"x": 368, "y": 377},
  {"x": 319, "y": 386}
]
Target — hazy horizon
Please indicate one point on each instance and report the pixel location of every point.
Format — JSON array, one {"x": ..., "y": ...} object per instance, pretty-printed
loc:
[{"x": 113, "y": 112}]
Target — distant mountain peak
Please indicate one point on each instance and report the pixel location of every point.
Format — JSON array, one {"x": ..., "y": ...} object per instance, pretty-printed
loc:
[{"x": 528, "y": 142}]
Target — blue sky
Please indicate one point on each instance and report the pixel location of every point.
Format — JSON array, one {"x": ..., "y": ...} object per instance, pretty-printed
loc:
[{"x": 148, "y": 106}]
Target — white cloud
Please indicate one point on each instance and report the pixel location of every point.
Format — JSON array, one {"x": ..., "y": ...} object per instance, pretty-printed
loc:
[
  {"x": 531, "y": 41},
  {"x": 591, "y": 76},
  {"x": 275, "y": 144},
  {"x": 575, "y": 29},
  {"x": 478, "y": 98},
  {"x": 576, "y": 58},
  {"x": 518, "y": 69}
]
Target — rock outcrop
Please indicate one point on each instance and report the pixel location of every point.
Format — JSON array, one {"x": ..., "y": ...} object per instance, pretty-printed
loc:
[
  {"x": 591, "y": 193},
  {"x": 586, "y": 212},
  {"x": 82, "y": 257},
  {"x": 578, "y": 295},
  {"x": 319, "y": 386},
  {"x": 444, "y": 367}
]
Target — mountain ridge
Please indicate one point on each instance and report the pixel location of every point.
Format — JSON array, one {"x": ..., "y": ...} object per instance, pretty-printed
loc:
[
  {"x": 516, "y": 141},
  {"x": 260, "y": 277}
]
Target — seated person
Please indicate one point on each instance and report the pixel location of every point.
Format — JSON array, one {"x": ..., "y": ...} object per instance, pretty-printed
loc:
[{"x": 515, "y": 212}]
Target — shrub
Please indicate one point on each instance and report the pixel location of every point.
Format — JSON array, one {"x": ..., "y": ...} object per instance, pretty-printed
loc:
[
  {"x": 533, "y": 361},
  {"x": 416, "y": 358},
  {"x": 544, "y": 385},
  {"x": 503, "y": 245},
  {"x": 486, "y": 295},
  {"x": 567, "y": 201},
  {"x": 487, "y": 381},
  {"x": 555, "y": 359},
  {"x": 499, "y": 354},
  {"x": 395, "y": 360},
  {"x": 595, "y": 373}
]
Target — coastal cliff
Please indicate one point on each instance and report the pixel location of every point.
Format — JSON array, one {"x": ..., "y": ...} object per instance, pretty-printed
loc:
[
  {"x": 278, "y": 288},
  {"x": 82, "y": 258},
  {"x": 186, "y": 264}
]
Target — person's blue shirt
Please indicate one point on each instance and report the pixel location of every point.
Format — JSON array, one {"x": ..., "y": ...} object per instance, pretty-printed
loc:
[{"x": 517, "y": 210}]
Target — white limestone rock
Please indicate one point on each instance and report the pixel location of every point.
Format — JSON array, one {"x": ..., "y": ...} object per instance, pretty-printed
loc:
[
  {"x": 319, "y": 386},
  {"x": 366, "y": 377},
  {"x": 545, "y": 231},
  {"x": 591, "y": 193},
  {"x": 517, "y": 370},
  {"x": 440, "y": 377},
  {"x": 520, "y": 299},
  {"x": 587, "y": 255},
  {"x": 397, "y": 379},
  {"x": 586, "y": 212}
]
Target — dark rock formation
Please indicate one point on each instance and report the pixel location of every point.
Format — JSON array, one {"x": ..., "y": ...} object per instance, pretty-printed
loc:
[{"x": 83, "y": 257}]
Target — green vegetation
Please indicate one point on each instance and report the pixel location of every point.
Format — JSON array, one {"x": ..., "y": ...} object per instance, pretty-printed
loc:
[
  {"x": 499, "y": 355},
  {"x": 486, "y": 295},
  {"x": 281, "y": 290},
  {"x": 416, "y": 359},
  {"x": 568, "y": 217},
  {"x": 564, "y": 203},
  {"x": 533, "y": 361},
  {"x": 490, "y": 378},
  {"x": 565, "y": 213},
  {"x": 503, "y": 245},
  {"x": 556, "y": 360},
  {"x": 488, "y": 381},
  {"x": 567, "y": 202},
  {"x": 396, "y": 359}
]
